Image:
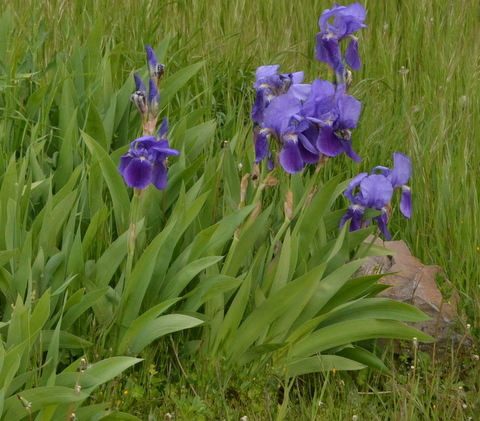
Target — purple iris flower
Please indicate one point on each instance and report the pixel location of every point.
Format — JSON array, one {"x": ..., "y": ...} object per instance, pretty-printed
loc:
[
  {"x": 399, "y": 177},
  {"x": 334, "y": 113},
  {"x": 153, "y": 99},
  {"x": 348, "y": 19},
  {"x": 139, "y": 97},
  {"x": 155, "y": 69},
  {"x": 270, "y": 84},
  {"x": 147, "y": 105},
  {"x": 144, "y": 163},
  {"x": 375, "y": 191},
  {"x": 368, "y": 191},
  {"x": 283, "y": 122}
]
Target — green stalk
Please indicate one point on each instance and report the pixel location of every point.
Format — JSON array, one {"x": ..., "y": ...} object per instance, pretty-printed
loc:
[{"x": 132, "y": 234}]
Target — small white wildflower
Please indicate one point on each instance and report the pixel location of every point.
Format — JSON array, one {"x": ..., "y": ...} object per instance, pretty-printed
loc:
[
  {"x": 403, "y": 70},
  {"x": 468, "y": 326},
  {"x": 354, "y": 418},
  {"x": 244, "y": 418},
  {"x": 475, "y": 357},
  {"x": 240, "y": 166},
  {"x": 77, "y": 389},
  {"x": 168, "y": 416},
  {"x": 464, "y": 405}
]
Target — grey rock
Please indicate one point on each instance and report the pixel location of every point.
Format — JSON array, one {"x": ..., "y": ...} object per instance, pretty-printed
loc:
[{"x": 414, "y": 283}]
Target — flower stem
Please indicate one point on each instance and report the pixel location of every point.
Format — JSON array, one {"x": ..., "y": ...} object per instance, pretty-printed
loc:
[{"x": 132, "y": 234}]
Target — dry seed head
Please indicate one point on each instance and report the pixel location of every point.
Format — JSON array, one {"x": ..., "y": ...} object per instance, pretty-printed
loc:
[
  {"x": 310, "y": 195},
  {"x": 243, "y": 188},
  {"x": 83, "y": 365},
  {"x": 256, "y": 211},
  {"x": 288, "y": 206},
  {"x": 268, "y": 181}
]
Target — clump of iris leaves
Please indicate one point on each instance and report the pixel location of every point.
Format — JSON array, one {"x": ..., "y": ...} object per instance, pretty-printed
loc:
[{"x": 119, "y": 232}]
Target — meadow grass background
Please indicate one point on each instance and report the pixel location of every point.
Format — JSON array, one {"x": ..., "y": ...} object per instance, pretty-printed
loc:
[
  {"x": 419, "y": 86},
  {"x": 429, "y": 112}
]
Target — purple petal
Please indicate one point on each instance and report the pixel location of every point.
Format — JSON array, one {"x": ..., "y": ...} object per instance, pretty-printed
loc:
[
  {"x": 382, "y": 225},
  {"x": 329, "y": 143},
  {"x": 145, "y": 142},
  {"x": 300, "y": 91},
  {"x": 351, "y": 54},
  {"x": 290, "y": 158},
  {"x": 350, "y": 109},
  {"x": 297, "y": 77},
  {"x": 258, "y": 106},
  {"x": 261, "y": 146},
  {"x": 162, "y": 131},
  {"x": 307, "y": 151},
  {"x": 266, "y": 71},
  {"x": 153, "y": 96},
  {"x": 340, "y": 26},
  {"x": 280, "y": 111},
  {"x": 124, "y": 161},
  {"x": 139, "y": 85},
  {"x": 349, "y": 151},
  {"x": 406, "y": 202},
  {"x": 353, "y": 15},
  {"x": 355, "y": 213},
  {"x": 270, "y": 164},
  {"x": 402, "y": 170},
  {"x": 151, "y": 60},
  {"x": 308, "y": 138},
  {"x": 381, "y": 170},
  {"x": 138, "y": 173},
  {"x": 332, "y": 46},
  {"x": 355, "y": 182},
  {"x": 319, "y": 101},
  {"x": 344, "y": 219},
  {"x": 322, "y": 54},
  {"x": 327, "y": 14},
  {"x": 159, "y": 175},
  {"x": 355, "y": 225},
  {"x": 162, "y": 153},
  {"x": 375, "y": 192},
  {"x": 160, "y": 150}
]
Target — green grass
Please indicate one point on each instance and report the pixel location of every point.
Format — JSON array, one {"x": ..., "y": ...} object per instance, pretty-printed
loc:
[{"x": 66, "y": 67}]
